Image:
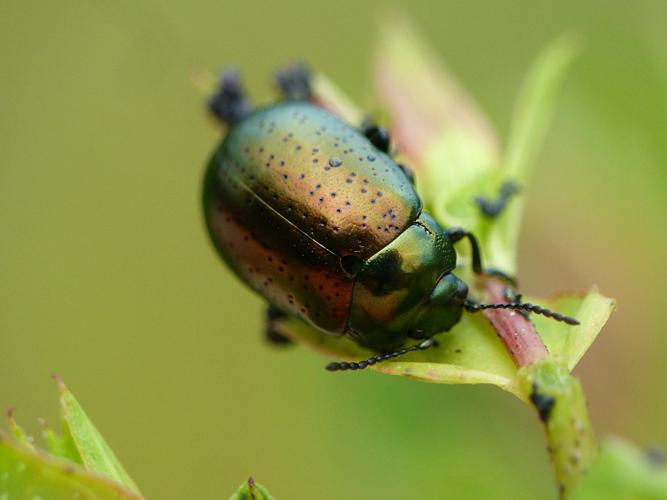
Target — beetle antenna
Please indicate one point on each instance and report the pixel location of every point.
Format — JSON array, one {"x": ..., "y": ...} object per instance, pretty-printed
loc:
[
  {"x": 360, "y": 365},
  {"x": 521, "y": 306}
]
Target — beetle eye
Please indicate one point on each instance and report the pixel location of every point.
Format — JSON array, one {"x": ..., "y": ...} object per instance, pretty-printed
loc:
[{"x": 351, "y": 264}]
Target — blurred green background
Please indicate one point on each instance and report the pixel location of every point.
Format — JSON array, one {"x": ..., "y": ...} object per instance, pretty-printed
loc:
[{"x": 107, "y": 277}]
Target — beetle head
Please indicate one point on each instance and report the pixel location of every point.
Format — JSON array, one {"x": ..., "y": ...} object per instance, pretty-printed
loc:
[{"x": 443, "y": 309}]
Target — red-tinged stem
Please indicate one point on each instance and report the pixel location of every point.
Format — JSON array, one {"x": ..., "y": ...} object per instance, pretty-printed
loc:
[
  {"x": 516, "y": 332},
  {"x": 548, "y": 385}
]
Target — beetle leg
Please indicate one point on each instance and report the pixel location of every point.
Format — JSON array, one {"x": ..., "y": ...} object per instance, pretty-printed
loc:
[
  {"x": 378, "y": 135},
  {"x": 492, "y": 271},
  {"x": 457, "y": 234},
  {"x": 272, "y": 335},
  {"x": 229, "y": 103},
  {"x": 514, "y": 297},
  {"x": 294, "y": 82},
  {"x": 360, "y": 365},
  {"x": 493, "y": 208}
]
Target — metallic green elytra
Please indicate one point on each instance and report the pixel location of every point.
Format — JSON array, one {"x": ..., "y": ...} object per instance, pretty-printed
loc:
[
  {"x": 328, "y": 228},
  {"x": 315, "y": 216}
]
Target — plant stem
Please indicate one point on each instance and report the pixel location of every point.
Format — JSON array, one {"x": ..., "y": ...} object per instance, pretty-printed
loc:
[
  {"x": 561, "y": 406},
  {"x": 515, "y": 330},
  {"x": 554, "y": 392}
]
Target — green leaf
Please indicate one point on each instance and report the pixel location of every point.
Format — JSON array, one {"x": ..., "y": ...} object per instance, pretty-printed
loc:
[
  {"x": 532, "y": 114},
  {"x": 567, "y": 342},
  {"x": 250, "y": 490},
  {"x": 623, "y": 472},
  {"x": 27, "y": 474},
  {"x": 62, "y": 446},
  {"x": 536, "y": 104},
  {"x": 471, "y": 352},
  {"x": 95, "y": 453},
  {"x": 446, "y": 138},
  {"x": 18, "y": 432}
]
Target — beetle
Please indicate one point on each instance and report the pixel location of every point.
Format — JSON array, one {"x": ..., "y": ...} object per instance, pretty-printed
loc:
[{"x": 315, "y": 215}]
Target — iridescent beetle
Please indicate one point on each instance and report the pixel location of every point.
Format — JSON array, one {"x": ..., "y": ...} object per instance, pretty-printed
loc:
[{"x": 315, "y": 215}]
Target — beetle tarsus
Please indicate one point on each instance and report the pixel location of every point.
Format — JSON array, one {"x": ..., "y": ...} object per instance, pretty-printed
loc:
[
  {"x": 360, "y": 365},
  {"x": 492, "y": 271},
  {"x": 294, "y": 82},
  {"x": 471, "y": 306},
  {"x": 229, "y": 104},
  {"x": 493, "y": 208},
  {"x": 271, "y": 334}
]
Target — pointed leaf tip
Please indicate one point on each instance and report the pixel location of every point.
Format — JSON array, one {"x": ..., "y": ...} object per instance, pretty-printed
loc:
[
  {"x": 59, "y": 382},
  {"x": 93, "y": 450},
  {"x": 17, "y": 431},
  {"x": 251, "y": 490}
]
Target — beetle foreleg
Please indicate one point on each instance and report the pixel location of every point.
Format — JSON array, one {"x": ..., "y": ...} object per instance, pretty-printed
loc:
[
  {"x": 360, "y": 365},
  {"x": 457, "y": 234},
  {"x": 493, "y": 208}
]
